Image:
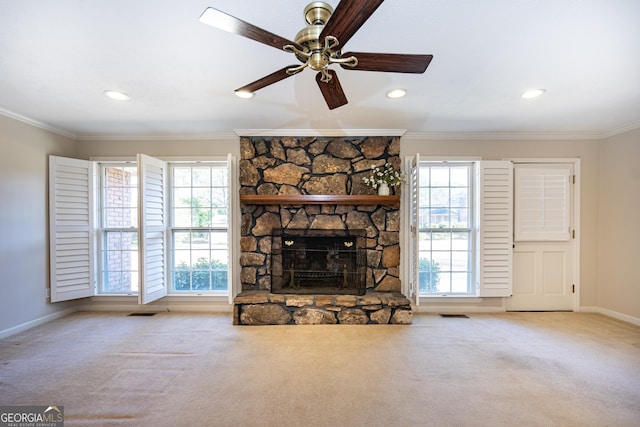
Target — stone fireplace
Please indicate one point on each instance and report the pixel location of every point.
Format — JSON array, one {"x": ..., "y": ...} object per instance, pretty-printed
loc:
[{"x": 295, "y": 265}]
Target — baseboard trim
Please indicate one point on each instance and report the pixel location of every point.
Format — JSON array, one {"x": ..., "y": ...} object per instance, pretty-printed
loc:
[
  {"x": 453, "y": 309},
  {"x": 36, "y": 322},
  {"x": 131, "y": 305},
  {"x": 611, "y": 313}
]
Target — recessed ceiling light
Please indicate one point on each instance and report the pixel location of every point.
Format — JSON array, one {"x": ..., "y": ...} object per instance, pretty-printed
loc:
[
  {"x": 244, "y": 94},
  {"x": 396, "y": 93},
  {"x": 534, "y": 93},
  {"x": 118, "y": 96}
]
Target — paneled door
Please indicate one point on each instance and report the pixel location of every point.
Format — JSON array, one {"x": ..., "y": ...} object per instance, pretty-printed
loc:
[{"x": 544, "y": 238}]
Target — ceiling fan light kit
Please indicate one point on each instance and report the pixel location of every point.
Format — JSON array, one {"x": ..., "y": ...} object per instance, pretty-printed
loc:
[
  {"x": 244, "y": 94},
  {"x": 396, "y": 93},
  {"x": 533, "y": 93},
  {"x": 116, "y": 95},
  {"x": 319, "y": 45}
]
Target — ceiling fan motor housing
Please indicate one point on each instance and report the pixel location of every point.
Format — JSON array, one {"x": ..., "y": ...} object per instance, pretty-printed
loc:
[{"x": 316, "y": 14}]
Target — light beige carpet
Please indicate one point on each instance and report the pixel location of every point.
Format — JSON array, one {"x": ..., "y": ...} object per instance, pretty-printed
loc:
[{"x": 172, "y": 369}]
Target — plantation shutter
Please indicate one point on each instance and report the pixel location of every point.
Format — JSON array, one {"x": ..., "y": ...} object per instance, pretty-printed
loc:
[
  {"x": 411, "y": 288},
  {"x": 71, "y": 228},
  {"x": 152, "y": 219},
  {"x": 232, "y": 225},
  {"x": 495, "y": 234},
  {"x": 542, "y": 202}
]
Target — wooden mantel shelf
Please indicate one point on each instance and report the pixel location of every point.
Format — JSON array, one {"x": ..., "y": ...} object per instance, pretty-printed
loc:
[{"x": 308, "y": 199}]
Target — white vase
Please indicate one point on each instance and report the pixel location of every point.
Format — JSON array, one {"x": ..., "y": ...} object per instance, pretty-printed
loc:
[{"x": 383, "y": 189}]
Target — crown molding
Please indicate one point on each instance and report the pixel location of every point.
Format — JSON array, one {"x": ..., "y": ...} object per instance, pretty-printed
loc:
[
  {"x": 36, "y": 123},
  {"x": 319, "y": 132},
  {"x": 502, "y": 136},
  {"x": 416, "y": 136},
  {"x": 622, "y": 129}
]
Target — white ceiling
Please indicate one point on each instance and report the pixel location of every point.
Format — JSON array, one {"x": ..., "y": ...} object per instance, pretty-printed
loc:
[{"x": 57, "y": 58}]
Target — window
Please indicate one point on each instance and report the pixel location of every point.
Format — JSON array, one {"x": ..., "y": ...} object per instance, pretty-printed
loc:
[
  {"x": 199, "y": 227},
  {"x": 118, "y": 263},
  {"x": 445, "y": 231}
]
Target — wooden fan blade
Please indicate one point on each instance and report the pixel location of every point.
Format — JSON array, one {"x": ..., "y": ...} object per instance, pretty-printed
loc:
[
  {"x": 348, "y": 17},
  {"x": 267, "y": 80},
  {"x": 233, "y": 25},
  {"x": 389, "y": 62},
  {"x": 332, "y": 90}
]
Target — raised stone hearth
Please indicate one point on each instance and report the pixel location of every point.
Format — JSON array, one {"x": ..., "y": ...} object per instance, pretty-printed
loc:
[{"x": 265, "y": 308}]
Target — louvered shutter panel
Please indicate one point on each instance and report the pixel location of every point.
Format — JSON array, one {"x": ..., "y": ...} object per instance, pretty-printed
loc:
[
  {"x": 542, "y": 204},
  {"x": 71, "y": 228},
  {"x": 232, "y": 224},
  {"x": 495, "y": 234},
  {"x": 411, "y": 290},
  {"x": 152, "y": 253}
]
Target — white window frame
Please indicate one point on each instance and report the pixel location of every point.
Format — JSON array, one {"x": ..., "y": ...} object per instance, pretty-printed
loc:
[
  {"x": 102, "y": 228},
  {"x": 172, "y": 228},
  {"x": 470, "y": 230}
]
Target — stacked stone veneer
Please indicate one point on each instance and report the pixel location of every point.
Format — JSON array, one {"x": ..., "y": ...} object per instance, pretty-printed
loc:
[{"x": 318, "y": 166}]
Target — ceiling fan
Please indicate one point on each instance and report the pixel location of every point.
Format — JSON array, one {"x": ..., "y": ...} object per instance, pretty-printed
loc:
[{"x": 319, "y": 45}]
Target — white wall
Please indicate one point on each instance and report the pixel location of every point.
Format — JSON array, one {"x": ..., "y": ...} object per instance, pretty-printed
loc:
[
  {"x": 586, "y": 150},
  {"x": 159, "y": 148},
  {"x": 24, "y": 243},
  {"x": 619, "y": 230}
]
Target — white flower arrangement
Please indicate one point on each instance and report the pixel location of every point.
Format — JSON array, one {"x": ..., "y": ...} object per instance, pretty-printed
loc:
[{"x": 388, "y": 176}]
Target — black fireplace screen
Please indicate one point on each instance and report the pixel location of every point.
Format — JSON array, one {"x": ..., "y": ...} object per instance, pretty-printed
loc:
[{"x": 318, "y": 262}]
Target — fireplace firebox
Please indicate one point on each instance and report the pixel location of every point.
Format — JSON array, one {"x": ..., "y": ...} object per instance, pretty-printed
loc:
[{"x": 318, "y": 261}]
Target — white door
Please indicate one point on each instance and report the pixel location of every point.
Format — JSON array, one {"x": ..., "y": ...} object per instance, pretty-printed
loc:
[{"x": 544, "y": 246}]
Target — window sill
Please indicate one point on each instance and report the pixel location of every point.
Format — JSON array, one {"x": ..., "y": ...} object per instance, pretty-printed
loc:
[
  {"x": 458, "y": 299},
  {"x": 187, "y": 303},
  {"x": 168, "y": 298},
  {"x": 197, "y": 297}
]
